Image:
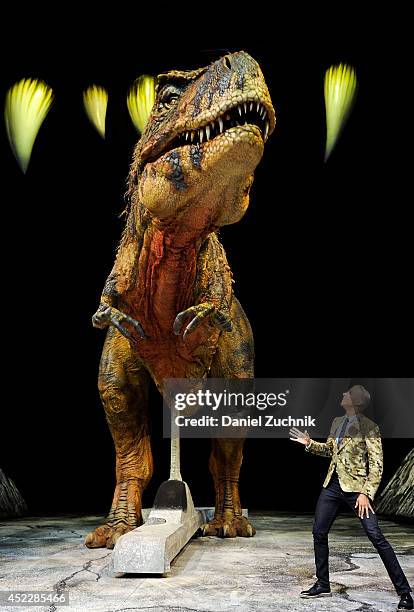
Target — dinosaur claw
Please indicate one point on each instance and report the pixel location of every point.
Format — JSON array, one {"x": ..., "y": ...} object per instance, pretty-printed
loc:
[
  {"x": 179, "y": 320},
  {"x": 199, "y": 313},
  {"x": 107, "y": 315},
  {"x": 191, "y": 326}
]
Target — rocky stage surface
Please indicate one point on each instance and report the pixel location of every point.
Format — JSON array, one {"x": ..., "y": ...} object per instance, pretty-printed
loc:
[{"x": 262, "y": 573}]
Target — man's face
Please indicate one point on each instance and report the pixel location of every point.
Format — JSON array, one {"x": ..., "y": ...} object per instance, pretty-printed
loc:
[
  {"x": 347, "y": 400},
  {"x": 351, "y": 400}
]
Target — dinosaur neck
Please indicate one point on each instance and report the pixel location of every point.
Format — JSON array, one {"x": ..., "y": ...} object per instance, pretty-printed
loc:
[{"x": 166, "y": 277}]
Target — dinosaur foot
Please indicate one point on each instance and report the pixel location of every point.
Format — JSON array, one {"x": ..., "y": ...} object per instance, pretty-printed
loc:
[
  {"x": 122, "y": 518},
  {"x": 106, "y": 536},
  {"x": 228, "y": 526}
]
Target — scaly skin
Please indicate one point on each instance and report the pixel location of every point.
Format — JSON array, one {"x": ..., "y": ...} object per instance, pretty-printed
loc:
[{"x": 168, "y": 301}]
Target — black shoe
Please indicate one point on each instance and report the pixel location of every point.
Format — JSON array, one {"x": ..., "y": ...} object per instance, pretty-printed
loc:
[
  {"x": 317, "y": 591},
  {"x": 406, "y": 602}
]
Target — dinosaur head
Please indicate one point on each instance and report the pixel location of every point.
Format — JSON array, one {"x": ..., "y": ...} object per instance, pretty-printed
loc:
[{"x": 203, "y": 141}]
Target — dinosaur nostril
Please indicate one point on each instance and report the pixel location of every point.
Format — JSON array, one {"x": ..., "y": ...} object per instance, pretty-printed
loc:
[{"x": 226, "y": 62}]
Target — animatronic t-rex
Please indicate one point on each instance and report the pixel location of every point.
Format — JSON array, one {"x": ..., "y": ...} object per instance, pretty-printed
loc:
[{"x": 168, "y": 301}]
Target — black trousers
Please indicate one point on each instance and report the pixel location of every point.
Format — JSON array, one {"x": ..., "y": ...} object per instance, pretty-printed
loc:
[{"x": 327, "y": 509}]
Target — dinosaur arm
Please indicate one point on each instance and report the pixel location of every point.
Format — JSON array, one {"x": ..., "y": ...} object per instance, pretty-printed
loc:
[
  {"x": 213, "y": 289},
  {"x": 124, "y": 271},
  {"x": 122, "y": 274},
  {"x": 121, "y": 279},
  {"x": 214, "y": 278}
]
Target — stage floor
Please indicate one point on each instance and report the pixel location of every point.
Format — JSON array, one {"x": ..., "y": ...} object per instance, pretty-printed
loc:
[{"x": 265, "y": 572}]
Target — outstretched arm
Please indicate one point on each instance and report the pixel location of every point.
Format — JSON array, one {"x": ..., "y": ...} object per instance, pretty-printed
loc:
[{"x": 325, "y": 449}]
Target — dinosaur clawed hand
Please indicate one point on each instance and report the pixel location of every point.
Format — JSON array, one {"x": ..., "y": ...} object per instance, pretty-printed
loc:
[
  {"x": 198, "y": 313},
  {"x": 107, "y": 315},
  {"x": 228, "y": 525}
]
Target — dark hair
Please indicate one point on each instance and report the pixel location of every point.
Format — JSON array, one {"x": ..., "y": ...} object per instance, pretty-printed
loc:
[{"x": 362, "y": 398}]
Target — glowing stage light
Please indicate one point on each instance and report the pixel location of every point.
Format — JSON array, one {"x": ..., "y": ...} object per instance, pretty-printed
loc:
[
  {"x": 140, "y": 101},
  {"x": 95, "y": 101},
  {"x": 340, "y": 90},
  {"x": 27, "y": 104}
]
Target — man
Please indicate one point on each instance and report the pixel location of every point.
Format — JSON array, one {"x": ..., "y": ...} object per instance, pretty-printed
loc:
[{"x": 354, "y": 475}]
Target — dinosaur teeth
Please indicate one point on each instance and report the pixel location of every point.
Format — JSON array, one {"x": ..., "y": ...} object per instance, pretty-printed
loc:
[{"x": 245, "y": 113}]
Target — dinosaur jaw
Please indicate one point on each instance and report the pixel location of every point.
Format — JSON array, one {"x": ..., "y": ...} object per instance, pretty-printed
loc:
[
  {"x": 233, "y": 153},
  {"x": 209, "y": 178},
  {"x": 208, "y": 183},
  {"x": 253, "y": 114}
]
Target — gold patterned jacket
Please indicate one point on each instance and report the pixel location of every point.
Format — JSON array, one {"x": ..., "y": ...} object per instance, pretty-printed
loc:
[{"x": 358, "y": 459}]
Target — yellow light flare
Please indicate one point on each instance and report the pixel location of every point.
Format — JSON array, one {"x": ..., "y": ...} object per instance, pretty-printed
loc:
[
  {"x": 340, "y": 90},
  {"x": 140, "y": 100},
  {"x": 95, "y": 102},
  {"x": 27, "y": 104}
]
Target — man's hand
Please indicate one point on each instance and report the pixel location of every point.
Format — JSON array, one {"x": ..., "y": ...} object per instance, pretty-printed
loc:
[
  {"x": 298, "y": 436},
  {"x": 363, "y": 504}
]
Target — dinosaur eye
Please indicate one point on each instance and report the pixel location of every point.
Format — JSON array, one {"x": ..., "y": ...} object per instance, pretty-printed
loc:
[{"x": 168, "y": 97}]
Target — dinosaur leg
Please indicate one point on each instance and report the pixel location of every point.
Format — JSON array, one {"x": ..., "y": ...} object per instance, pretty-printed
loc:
[
  {"x": 233, "y": 359},
  {"x": 123, "y": 386}
]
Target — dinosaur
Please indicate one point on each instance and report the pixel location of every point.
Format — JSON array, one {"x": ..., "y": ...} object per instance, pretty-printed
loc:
[{"x": 168, "y": 303}]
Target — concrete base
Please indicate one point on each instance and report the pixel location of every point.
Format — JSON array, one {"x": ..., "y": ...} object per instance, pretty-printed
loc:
[{"x": 150, "y": 548}]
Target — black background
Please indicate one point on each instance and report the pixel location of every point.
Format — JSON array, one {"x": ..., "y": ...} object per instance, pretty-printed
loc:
[{"x": 321, "y": 259}]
